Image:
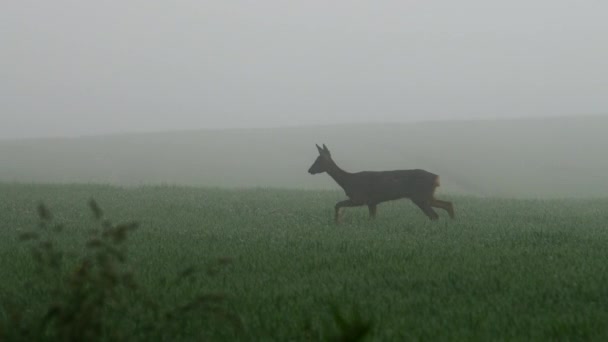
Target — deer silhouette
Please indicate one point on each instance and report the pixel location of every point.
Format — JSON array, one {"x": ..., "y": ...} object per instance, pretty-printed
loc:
[{"x": 374, "y": 187}]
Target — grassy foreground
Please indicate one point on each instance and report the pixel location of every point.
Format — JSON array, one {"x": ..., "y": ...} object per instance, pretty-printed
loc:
[{"x": 504, "y": 269}]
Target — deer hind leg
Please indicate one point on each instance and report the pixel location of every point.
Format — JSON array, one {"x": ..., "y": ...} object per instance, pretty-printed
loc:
[
  {"x": 372, "y": 210},
  {"x": 425, "y": 206},
  {"x": 343, "y": 204},
  {"x": 445, "y": 205}
]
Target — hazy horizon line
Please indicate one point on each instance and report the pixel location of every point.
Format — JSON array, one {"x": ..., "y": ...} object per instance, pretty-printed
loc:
[{"x": 296, "y": 126}]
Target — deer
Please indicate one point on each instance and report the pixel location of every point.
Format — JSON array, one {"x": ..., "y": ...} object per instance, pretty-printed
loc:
[{"x": 371, "y": 188}]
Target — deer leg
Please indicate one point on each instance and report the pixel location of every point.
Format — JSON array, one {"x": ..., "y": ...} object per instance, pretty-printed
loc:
[
  {"x": 445, "y": 205},
  {"x": 425, "y": 206},
  {"x": 342, "y": 204},
  {"x": 372, "y": 210}
]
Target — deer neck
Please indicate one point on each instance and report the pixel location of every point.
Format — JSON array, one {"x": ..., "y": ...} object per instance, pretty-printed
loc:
[{"x": 338, "y": 175}]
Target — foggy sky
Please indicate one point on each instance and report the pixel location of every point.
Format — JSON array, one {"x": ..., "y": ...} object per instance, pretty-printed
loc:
[{"x": 90, "y": 67}]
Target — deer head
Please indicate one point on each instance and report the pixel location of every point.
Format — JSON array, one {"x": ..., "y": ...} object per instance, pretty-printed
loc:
[{"x": 323, "y": 161}]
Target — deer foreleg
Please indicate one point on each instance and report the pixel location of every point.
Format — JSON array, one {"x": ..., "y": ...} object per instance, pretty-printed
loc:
[
  {"x": 372, "y": 210},
  {"x": 343, "y": 204}
]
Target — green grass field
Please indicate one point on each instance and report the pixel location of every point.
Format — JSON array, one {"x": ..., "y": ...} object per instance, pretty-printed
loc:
[{"x": 503, "y": 270}]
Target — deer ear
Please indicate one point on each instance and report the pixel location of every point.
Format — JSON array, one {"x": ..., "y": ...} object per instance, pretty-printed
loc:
[
  {"x": 326, "y": 149},
  {"x": 320, "y": 149}
]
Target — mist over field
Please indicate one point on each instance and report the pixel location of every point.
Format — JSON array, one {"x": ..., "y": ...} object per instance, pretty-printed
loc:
[
  {"x": 499, "y": 99},
  {"x": 552, "y": 157}
]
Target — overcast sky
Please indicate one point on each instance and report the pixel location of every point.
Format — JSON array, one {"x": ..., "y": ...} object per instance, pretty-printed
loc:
[{"x": 88, "y": 67}]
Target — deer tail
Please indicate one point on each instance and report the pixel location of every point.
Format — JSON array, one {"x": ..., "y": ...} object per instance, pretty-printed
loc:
[{"x": 437, "y": 183}]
